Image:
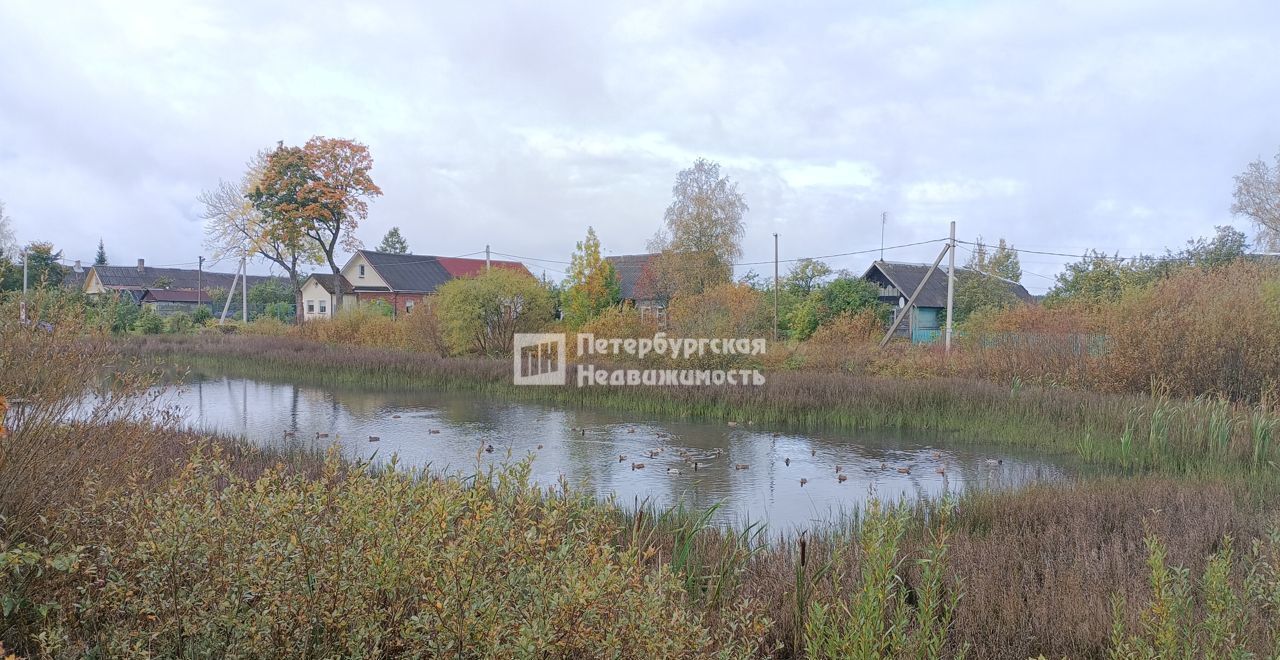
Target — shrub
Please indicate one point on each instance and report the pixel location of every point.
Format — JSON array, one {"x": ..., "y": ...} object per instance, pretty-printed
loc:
[
  {"x": 180, "y": 322},
  {"x": 149, "y": 322},
  {"x": 480, "y": 314},
  {"x": 202, "y": 315}
]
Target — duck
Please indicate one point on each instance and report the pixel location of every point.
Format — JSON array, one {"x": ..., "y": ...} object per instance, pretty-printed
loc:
[
  {"x": 741, "y": 466},
  {"x": 433, "y": 431},
  {"x": 374, "y": 438},
  {"x": 488, "y": 449},
  {"x": 813, "y": 452},
  {"x": 904, "y": 470},
  {"x": 937, "y": 455},
  {"x": 539, "y": 445},
  {"x": 653, "y": 453},
  {"x": 637, "y": 466},
  {"x": 777, "y": 435},
  {"x": 994, "y": 461},
  {"x": 673, "y": 471},
  {"x": 584, "y": 432},
  {"x": 622, "y": 457},
  {"x": 787, "y": 461},
  {"x": 290, "y": 434},
  {"x": 696, "y": 465},
  {"x": 839, "y": 469},
  {"x": 942, "y": 470},
  {"x": 395, "y": 417},
  {"x": 631, "y": 430},
  {"x": 662, "y": 435},
  {"x": 321, "y": 435},
  {"x": 803, "y": 481},
  {"x": 842, "y": 478},
  {"x": 733, "y": 423},
  {"x": 884, "y": 466}
]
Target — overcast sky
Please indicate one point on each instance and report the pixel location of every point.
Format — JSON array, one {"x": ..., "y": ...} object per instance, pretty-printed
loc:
[{"x": 1059, "y": 126}]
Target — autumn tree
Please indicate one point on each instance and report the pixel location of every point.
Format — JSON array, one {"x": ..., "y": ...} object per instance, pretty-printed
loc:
[
  {"x": 592, "y": 284},
  {"x": 100, "y": 259},
  {"x": 806, "y": 275},
  {"x": 43, "y": 269},
  {"x": 703, "y": 232},
  {"x": 8, "y": 244},
  {"x": 481, "y": 314},
  {"x": 1000, "y": 260},
  {"x": 393, "y": 242},
  {"x": 1257, "y": 197},
  {"x": 320, "y": 192},
  {"x": 234, "y": 225}
]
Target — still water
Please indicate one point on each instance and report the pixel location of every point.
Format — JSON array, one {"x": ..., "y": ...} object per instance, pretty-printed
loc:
[{"x": 754, "y": 473}]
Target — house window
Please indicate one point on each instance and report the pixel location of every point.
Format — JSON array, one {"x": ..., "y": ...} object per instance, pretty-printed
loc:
[
  {"x": 408, "y": 307},
  {"x": 361, "y": 270},
  {"x": 323, "y": 308},
  {"x": 311, "y": 307}
]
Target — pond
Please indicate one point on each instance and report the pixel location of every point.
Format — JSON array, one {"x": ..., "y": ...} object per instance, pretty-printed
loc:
[{"x": 754, "y": 473}]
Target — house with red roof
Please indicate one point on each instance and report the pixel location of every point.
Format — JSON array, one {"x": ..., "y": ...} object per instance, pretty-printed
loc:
[{"x": 401, "y": 280}]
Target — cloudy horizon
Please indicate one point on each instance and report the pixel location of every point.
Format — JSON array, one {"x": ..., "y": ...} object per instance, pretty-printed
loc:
[{"x": 1059, "y": 127}]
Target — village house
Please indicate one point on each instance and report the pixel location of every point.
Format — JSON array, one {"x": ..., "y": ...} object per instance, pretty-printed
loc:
[
  {"x": 635, "y": 283},
  {"x": 403, "y": 281},
  {"x": 167, "y": 290},
  {"x": 897, "y": 281}
]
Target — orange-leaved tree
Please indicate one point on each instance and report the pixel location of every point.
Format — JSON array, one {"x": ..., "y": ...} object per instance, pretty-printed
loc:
[{"x": 320, "y": 191}]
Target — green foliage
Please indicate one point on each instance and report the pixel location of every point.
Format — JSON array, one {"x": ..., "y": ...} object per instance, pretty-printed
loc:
[
  {"x": 1235, "y": 613},
  {"x": 100, "y": 259},
  {"x": 180, "y": 322},
  {"x": 976, "y": 291},
  {"x": 1002, "y": 262},
  {"x": 875, "y": 619},
  {"x": 393, "y": 242},
  {"x": 280, "y": 311},
  {"x": 381, "y": 308},
  {"x": 806, "y": 276},
  {"x": 592, "y": 285},
  {"x": 270, "y": 291},
  {"x": 354, "y": 562},
  {"x": 149, "y": 322},
  {"x": 845, "y": 295},
  {"x": 43, "y": 269},
  {"x": 481, "y": 314},
  {"x": 202, "y": 315}
]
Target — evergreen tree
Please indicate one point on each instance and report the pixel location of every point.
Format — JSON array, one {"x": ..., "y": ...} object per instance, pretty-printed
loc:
[
  {"x": 101, "y": 258},
  {"x": 394, "y": 243}
]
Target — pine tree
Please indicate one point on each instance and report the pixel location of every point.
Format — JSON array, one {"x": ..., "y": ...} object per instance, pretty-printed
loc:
[
  {"x": 101, "y": 258},
  {"x": 394, "y": 243}
]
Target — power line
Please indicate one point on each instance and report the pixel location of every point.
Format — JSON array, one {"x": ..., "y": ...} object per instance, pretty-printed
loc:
[{"x": 842, "y": 254}]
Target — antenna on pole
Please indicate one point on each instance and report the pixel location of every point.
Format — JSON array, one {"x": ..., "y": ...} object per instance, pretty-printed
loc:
[{"x": 884, "y": 218}]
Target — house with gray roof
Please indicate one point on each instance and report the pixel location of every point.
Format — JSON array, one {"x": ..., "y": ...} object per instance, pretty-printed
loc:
[{"x": 896, "y": 282}]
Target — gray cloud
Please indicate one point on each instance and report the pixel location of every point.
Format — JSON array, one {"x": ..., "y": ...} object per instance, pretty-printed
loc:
[{"x": 1059, "y": 126}]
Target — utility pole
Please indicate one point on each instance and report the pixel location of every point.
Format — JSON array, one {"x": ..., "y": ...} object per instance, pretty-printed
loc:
[
  {"x": 951, "y": 285},
  {"x": 22, "y": 307},
  {"x": 231, "y": 292},
  {"x": 486, "y": 258},
  {"x": 200, "y": 282},
  {"x": 244, "y": 287},
  {"x": 884, "y": 218},
  {"x": 775, "y": 286}
]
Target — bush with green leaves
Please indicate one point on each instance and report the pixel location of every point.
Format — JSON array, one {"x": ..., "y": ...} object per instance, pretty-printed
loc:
[
  {"x": 481, "y": 314},
  {"x": 149, "y": 322},
  {"x": 202, "y": 315},
  {"x": 180, "y": 322}
]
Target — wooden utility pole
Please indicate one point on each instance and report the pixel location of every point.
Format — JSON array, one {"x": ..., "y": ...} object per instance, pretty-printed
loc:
[
  {"x": 951, "y": 285},
  {"x": 884, "y": 218},
  {"x": 199, "y": 281},
  {"x": 897, "y": 319},
  {"x": 775, "y": 286},
  {"x": 244, "y": 287},
  {"x": 486, "y": 258}
]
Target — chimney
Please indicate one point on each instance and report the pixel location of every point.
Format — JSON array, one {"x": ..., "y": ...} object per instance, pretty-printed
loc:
[
  {"x": 77, "y": 268},
  {"x": 142, "y": 265}
]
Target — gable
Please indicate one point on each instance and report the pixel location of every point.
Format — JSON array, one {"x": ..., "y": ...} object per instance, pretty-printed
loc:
[{"x": 371, "y": 279}]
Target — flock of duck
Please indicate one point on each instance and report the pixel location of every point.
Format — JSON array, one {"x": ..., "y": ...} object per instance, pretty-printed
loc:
[{"x": 692, "y": 460}]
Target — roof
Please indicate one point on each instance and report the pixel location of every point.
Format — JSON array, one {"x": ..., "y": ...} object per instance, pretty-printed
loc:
[
  {"x": 421, "y": 273},
  {"x": 172, "y": 295},
  {"x": 906, "y": 277},
  {"x": 131, "y": 277},
  {"x": 325, "y": 280},
  {"x": 630, "y": 269}
]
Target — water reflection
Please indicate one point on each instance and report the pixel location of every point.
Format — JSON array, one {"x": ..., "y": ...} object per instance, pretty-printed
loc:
[{"x": 755, "y": 473}]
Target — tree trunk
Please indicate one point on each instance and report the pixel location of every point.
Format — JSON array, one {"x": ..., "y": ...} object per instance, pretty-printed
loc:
[{"x": 337, "y": 286}]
